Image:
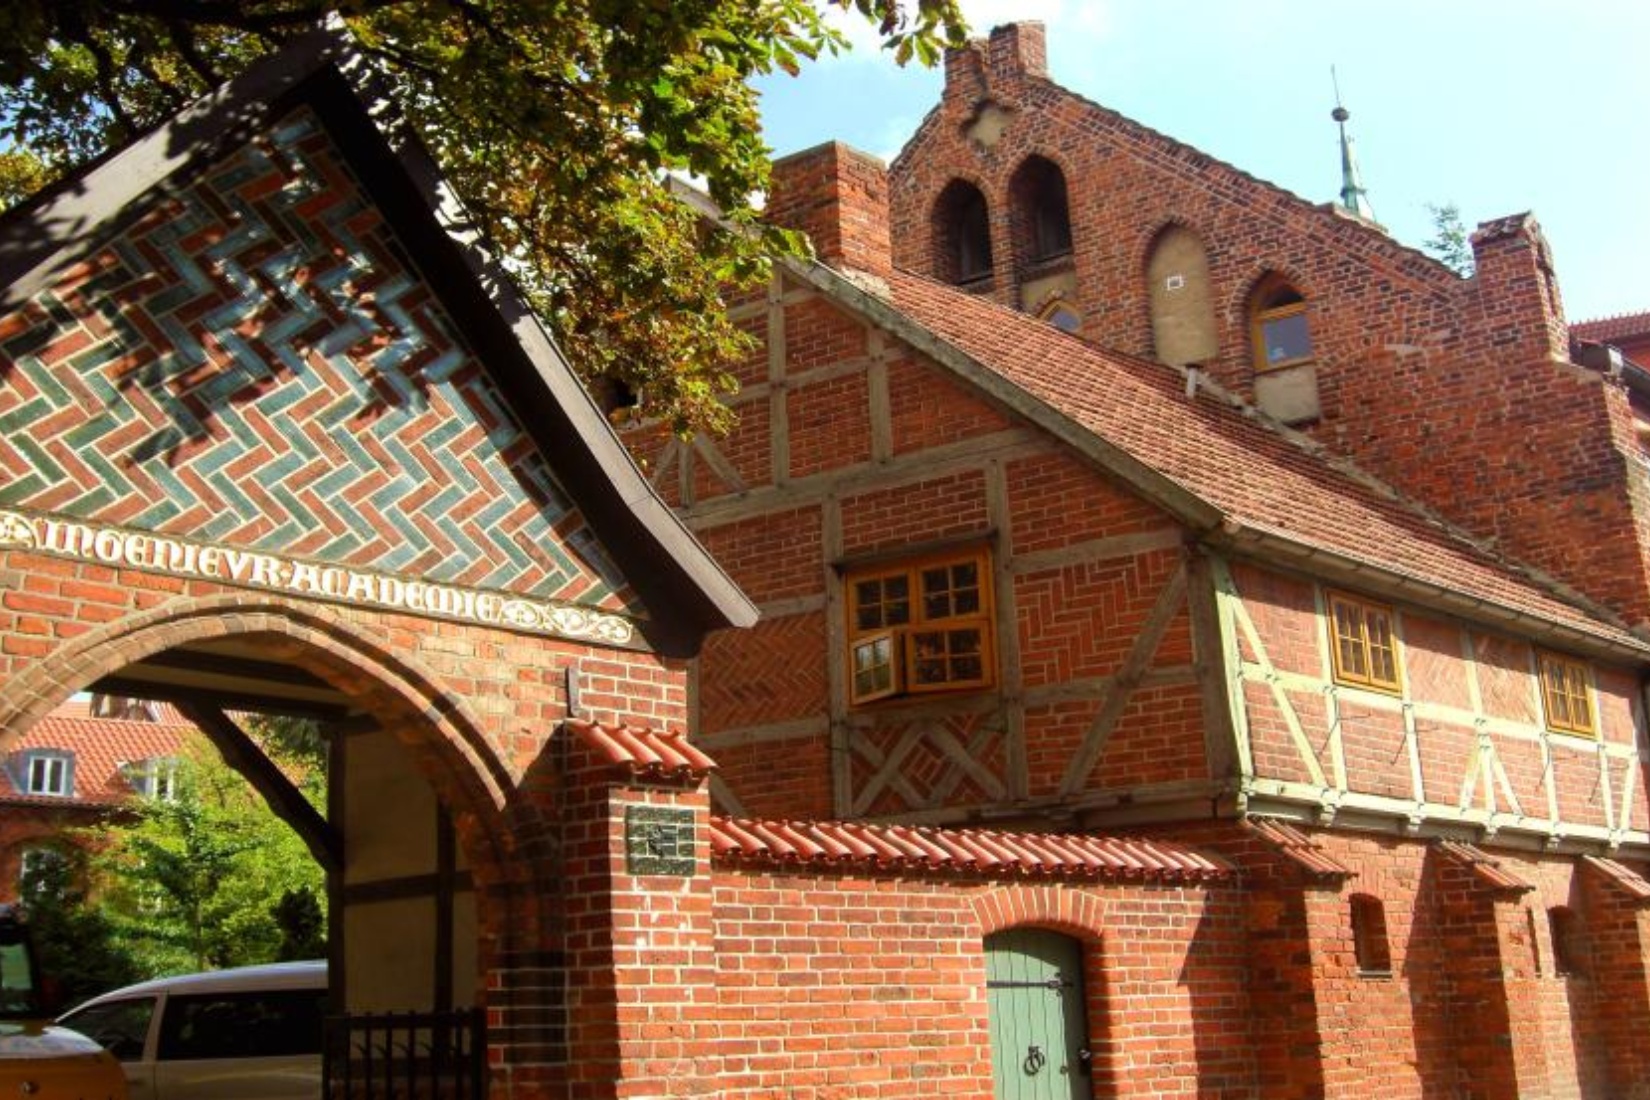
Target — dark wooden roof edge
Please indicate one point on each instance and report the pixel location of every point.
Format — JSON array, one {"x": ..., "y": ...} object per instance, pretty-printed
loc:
[
  {"x": 42, "y": 236},
  {"x": 686, "y": 592}
]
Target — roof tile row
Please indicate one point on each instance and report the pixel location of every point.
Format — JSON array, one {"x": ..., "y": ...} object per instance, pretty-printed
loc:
[
  {"x": 1484, "y": 867},
  {"x": 1298, "y": 848},
  {"x": 840, "y": 844},
  {"x": 644, "y": 751}
]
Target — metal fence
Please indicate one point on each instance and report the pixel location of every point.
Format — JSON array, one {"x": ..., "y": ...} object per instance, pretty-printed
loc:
[{"x": 407, "y": 1056}]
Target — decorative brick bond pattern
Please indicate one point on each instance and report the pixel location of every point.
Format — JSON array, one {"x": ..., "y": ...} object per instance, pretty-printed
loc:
[{"x": 253, "y": 363}]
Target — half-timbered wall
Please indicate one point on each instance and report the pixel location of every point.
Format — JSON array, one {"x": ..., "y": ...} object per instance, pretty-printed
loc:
[
  {"x": 851, "y": 448},
  {"x": 1466, "y": 739}
]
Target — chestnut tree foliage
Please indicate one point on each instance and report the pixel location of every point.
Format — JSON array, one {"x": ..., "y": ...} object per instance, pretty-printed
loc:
[{"x": 556, "y": 120}]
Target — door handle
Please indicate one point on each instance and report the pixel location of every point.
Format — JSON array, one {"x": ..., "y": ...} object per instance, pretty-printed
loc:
[{"x": 1035, "y": 1061}]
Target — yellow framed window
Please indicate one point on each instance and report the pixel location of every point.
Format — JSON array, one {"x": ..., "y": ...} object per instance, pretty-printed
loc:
[
  {"x": 1278, "y": 327},
  {"x": 1362, "y": 643},
  {"x": 1567, "y": 694},
  {"x": 920, "y": 626}
]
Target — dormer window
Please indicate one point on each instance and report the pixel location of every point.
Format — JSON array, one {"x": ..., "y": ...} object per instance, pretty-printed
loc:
[
  {"x": 155, "y": 778},
  {"x": 1282, "y": 338},
  {"x": 49, "y": 773},
  {"x": 1042, "y": 214},
  {"x": 962, "y": 232}
]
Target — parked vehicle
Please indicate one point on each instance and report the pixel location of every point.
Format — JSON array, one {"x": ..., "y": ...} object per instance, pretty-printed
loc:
[
  {"x": 38, "y": 1060},
  {"x": 251, "y": 1033}
]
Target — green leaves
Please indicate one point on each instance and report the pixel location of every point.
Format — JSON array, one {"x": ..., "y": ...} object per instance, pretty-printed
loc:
[
  {"x": 198, "y": 881},
  {"x": 554, "y": 120}
]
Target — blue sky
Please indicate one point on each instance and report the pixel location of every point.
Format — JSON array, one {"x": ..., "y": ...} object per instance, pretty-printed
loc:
[{"x": 1498, "y": 107}]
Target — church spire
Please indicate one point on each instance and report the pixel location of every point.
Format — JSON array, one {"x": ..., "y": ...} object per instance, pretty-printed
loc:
[{"x": 1354, "y": 199}]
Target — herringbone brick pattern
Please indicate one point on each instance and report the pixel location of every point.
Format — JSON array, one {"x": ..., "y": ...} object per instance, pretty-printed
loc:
[{"x": 254, "y": 363}]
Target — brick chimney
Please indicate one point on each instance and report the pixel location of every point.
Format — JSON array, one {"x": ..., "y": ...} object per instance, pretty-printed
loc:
[
  {"x": 1018, "y": 50},
  {"x": 1013, "y": 52},
  {"x": 838, "y": 196}
]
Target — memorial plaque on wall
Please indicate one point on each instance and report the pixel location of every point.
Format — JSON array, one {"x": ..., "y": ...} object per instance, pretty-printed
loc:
[{"x": 658, "y": 840}]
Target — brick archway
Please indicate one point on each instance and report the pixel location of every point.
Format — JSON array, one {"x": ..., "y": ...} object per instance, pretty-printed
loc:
[{"x": 434, "y": 725}]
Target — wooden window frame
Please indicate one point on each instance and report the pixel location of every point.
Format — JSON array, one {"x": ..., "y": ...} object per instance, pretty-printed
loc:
[
  {"x": 1559, "y": 700},
  {"x": 1261, "y": 314},
  {"x": 905, "y": 681},
  {"x": 1350, "y": 677}
]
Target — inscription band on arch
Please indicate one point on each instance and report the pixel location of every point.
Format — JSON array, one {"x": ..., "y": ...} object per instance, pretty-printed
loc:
[{"x": 123, "y": 548}]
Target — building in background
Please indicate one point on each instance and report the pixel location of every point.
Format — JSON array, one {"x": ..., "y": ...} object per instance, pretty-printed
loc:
[
  {"x": 1089, "y": 485},
  {"x": 85, "y": 761}
]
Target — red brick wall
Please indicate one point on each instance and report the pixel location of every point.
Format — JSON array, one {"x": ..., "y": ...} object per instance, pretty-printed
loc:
[
  {"x": 1452, "y": 389},
  {"x": 853, "y": 986},
  {"x": 481, "y": 703}
]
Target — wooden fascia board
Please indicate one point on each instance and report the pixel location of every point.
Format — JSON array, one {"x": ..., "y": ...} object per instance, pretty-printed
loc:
[
  {"x": 685, "y": 589},
  {"x": 1149, "y": 483},
  {"x": 1270, "y": 549}
]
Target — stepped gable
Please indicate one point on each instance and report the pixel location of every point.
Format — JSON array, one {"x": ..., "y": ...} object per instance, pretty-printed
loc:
[{"x": 1220, "y": 466}]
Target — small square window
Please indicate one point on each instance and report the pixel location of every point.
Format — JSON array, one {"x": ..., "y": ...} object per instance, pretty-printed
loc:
[
  {"x": 1567, "y": 695},
  {"x": 1362, "y": 644}
]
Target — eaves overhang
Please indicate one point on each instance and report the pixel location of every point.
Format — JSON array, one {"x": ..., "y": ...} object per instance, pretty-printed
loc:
[
  {"x": 1269, "y": 547},
  {"x": 1179, "y": 501}
]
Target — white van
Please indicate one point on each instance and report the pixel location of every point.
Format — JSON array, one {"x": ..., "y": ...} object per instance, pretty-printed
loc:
[{"x": 252, "y": 1033}]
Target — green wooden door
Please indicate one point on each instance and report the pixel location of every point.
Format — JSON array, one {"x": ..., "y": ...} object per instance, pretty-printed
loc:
[{"x": 1034, "y": 990}]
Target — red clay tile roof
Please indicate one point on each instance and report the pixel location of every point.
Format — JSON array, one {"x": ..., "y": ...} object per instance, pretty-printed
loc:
[
  {"x": 1263, "y": 482},
  {"x": 1604, "y": 329},
  {"x": 1298, "y": 848},
  {"x": 643, "y": 751},
  {"x": 100, "y": 746},
  {"x": 843, "y": 844},
  {"x": 1486, "y": 869},
  {"x": 1629, "y": 881}
]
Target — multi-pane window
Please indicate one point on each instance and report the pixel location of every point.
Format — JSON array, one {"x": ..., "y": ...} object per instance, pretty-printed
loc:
[
  {"x": 50, "y": 773},
  {"x": 1566, "y": 691},
  {"x": 921, "y": 626},
  {"x": 1365, "y": 652}
]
